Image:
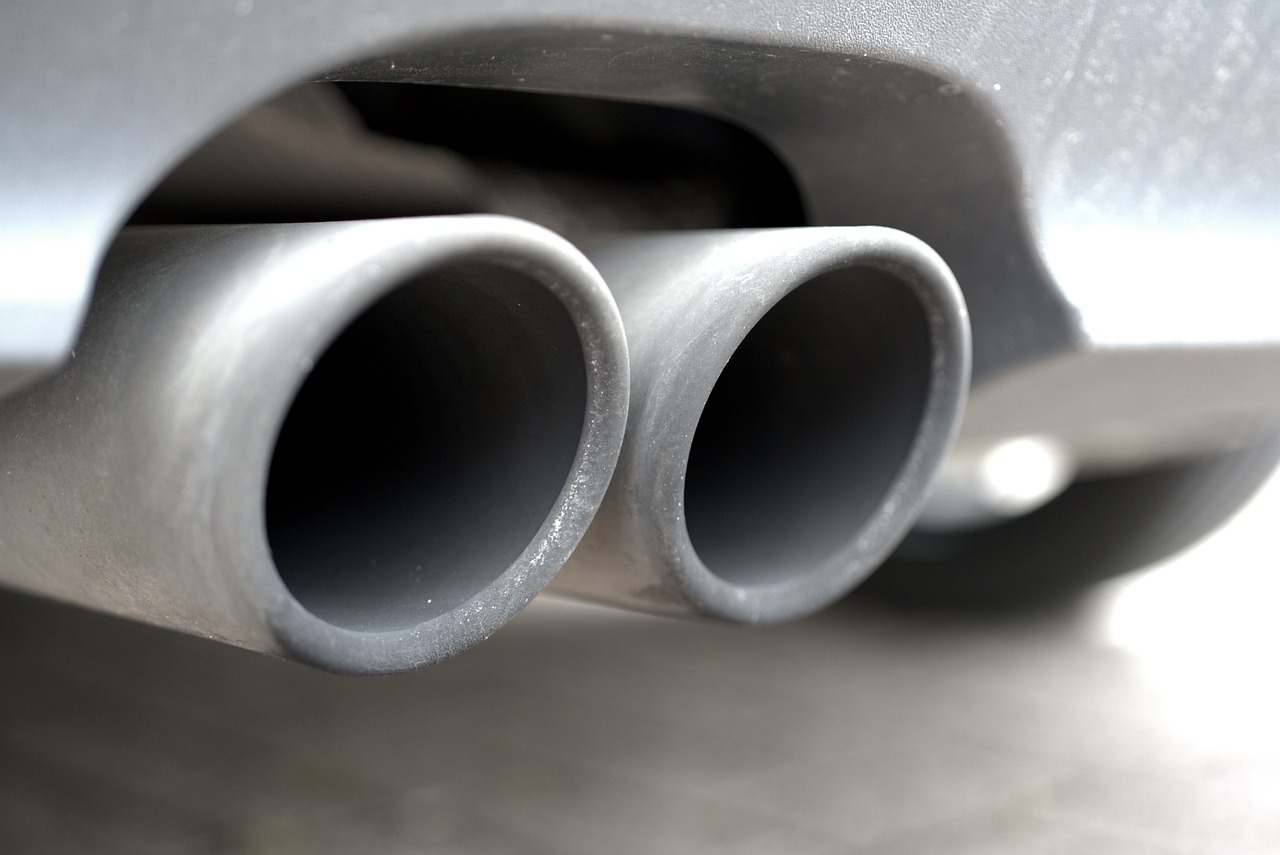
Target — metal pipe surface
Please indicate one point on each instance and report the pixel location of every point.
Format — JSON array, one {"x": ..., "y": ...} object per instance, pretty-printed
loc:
[
  {"x": 793, "y": 393},
  {"x": 363, "y": 445}
]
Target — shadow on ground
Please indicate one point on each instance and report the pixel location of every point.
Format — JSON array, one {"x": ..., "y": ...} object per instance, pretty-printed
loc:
[{"x": 582, "y": 730}]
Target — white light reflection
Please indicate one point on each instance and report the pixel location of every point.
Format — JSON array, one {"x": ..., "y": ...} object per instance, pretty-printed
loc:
[
  {"x": 988, "y": 484},
  {"x": 1204, "y": 627},
  {"x": 1170, "y": 285}
]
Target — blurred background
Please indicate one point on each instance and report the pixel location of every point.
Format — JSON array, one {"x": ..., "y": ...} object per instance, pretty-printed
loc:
[{"x": 1138, "y": 719}]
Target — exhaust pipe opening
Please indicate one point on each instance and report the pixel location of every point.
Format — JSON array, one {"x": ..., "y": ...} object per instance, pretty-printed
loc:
[
  {"x": 361, "y": 445},
  {"x": 427, "y": 447},
  {"x": 793, "y": 393},
  {"x": 807, "y": 427}
]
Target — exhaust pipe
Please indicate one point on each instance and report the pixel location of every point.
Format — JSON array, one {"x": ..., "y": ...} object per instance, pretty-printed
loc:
[
  {"x": 793, "y": 393},
  {"x": 361, "y": 445}
]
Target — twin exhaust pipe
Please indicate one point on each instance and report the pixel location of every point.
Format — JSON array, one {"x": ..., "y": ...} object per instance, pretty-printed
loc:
[
  {"x": 367, "y": 445},
  {"x": 361, "y": 445},
  {"x": 793, "y": 392}
]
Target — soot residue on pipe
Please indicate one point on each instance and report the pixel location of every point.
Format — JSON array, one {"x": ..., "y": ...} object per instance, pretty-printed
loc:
[
  {"x": 807, "y": 427},
  {"x": 426, "y": 448}
]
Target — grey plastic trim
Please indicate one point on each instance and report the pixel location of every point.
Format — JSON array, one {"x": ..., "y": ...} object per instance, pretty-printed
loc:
[{"x": 1009, "y": 137}]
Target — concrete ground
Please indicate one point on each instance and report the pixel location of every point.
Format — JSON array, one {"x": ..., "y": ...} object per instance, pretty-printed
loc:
[{"x": 1145, "y": 720}]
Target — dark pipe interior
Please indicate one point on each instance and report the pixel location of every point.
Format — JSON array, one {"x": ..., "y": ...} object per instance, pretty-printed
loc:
[
  {"x": 426, "y": 448},
  {"x": 808, "y": 427}
]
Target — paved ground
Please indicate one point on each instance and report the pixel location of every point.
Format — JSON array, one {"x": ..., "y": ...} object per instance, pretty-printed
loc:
[{"x": 1144, "y": 721}]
